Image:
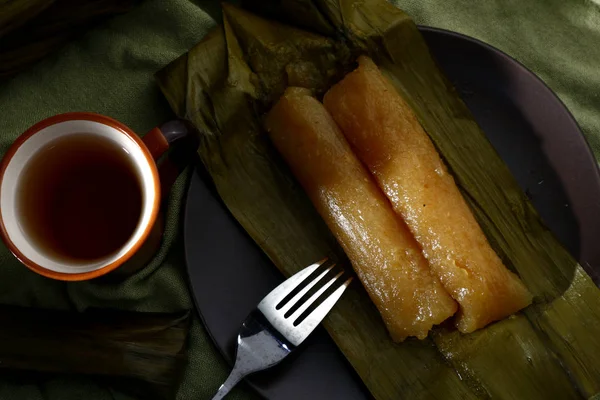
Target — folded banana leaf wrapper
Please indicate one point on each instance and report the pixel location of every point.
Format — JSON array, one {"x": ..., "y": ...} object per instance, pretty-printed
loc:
[{"x": 226, "y": 83}]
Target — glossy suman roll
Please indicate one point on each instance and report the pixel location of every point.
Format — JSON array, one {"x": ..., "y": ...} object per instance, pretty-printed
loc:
[
  {"x": 383, "y": 252},
  {"x": 387, "y": 137}
]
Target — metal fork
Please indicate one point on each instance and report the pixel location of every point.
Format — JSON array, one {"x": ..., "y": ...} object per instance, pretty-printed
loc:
[{"x": 284, "y": 318}]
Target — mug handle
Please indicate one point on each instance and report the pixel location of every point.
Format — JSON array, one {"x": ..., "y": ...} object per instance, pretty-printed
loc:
[
  {"x": 173, "y": 146},
  {"x": 180, "y": 139}
]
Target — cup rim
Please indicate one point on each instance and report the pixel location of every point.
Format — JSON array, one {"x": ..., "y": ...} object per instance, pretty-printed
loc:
[{"x": 102, "y": 119}]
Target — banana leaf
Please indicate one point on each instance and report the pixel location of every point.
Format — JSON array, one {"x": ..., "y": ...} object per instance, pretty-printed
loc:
[
  {"x": 227, "y": 82},
  {"x": 141, "y": 352},
  {"x": 17, "y": 13},
  {"x": 32, "y": 29}
]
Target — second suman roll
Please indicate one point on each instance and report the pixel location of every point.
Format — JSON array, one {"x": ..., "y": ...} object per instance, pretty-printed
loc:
[
  {"x": 387, "y": 137},
  {"x": 383, "y": 252}
]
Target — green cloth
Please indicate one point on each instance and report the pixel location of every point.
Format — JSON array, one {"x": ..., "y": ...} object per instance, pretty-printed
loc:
[
  {"x": 110, "y": 71},
  {"x": 558, "y": 40}
]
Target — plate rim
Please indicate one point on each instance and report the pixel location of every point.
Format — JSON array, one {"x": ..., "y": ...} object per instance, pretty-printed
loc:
[{"x": 548, "y": 91}]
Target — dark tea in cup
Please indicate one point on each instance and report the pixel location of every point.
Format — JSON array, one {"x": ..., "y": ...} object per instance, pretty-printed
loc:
[{"x": 80, "y": 197}]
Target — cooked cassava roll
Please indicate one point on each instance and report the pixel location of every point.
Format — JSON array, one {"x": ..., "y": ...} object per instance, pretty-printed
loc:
[
  {"x": 383, "y": 252},
  {"x": 386, "y": 136}
]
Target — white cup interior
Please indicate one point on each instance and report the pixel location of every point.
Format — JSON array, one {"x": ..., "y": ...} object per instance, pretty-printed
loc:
[{"x": 13, "y": 173}]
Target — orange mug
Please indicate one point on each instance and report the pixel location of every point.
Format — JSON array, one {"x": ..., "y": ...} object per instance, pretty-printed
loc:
[{"x": 80, "y": 193}]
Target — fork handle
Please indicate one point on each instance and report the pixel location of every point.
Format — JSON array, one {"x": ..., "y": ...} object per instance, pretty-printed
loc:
[
  {"x": 257, "y": 349},
  {"x": 234, "y": 377}
]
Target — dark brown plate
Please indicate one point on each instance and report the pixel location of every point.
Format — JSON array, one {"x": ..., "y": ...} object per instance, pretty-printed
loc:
[{"x": 529, "y": 127}]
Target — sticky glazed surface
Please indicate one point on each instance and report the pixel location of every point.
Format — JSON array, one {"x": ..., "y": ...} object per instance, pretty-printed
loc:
[
  {"x": 387, "y": 137},
  {"x": 383, "y": 252}
]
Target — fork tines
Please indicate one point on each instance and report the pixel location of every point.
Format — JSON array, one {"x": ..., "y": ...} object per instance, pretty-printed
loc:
[{"x": 300, "y": 303}]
